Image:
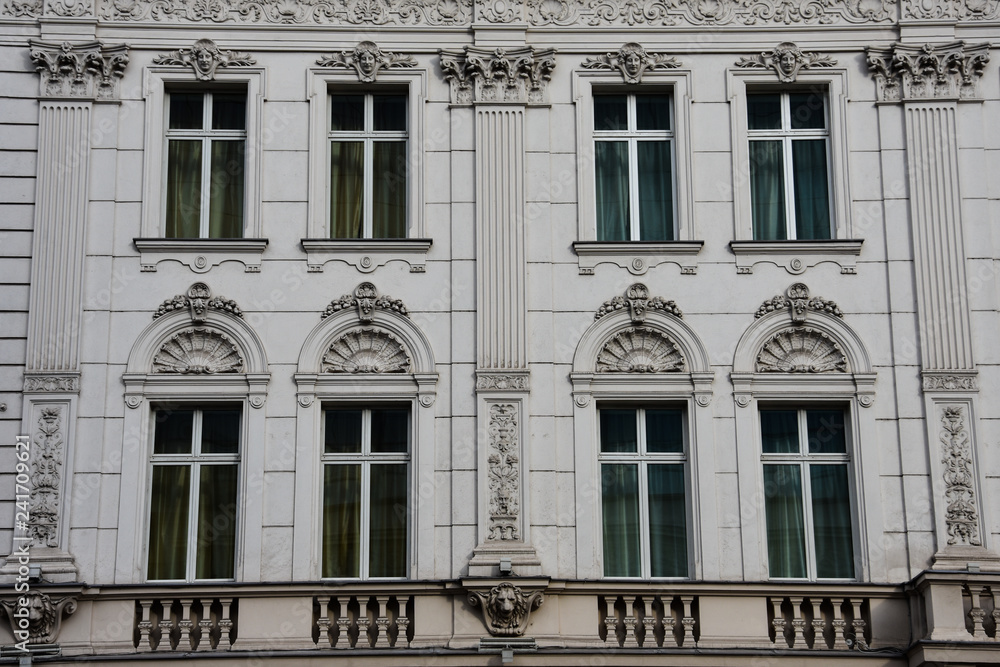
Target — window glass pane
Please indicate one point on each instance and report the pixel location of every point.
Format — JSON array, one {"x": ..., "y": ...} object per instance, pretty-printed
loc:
[
  {"x": 168, "y": 522},
  {"x": 387, "y": 555},
  {"x": 620, "y": 508},
  {"x": 389, "y": 190},
  {"x": 390, "y": 112},
  {"x": 831, "y": 508},
  {"x": 186, "y": 111},
  {"x": 225, "y": 215},
  {"x": 611, "y": 180},
  {"x": 667, "y": 521},
  {"x": 390, "y": 431},
  {"x": 229, "y": 111},
  {"x": 764, "y": 111},
  {"x": 807, "y": 111},
  {"x": 347, "y": 113},
  {"x": 825, "y": 429},
  {"x": 786, "y": 546},
  {"x": 610, "y": 112},
  {"x": 652, "y": 112},
  {"x": 347, "y": 165},
  {"x": 618, "y": 430},
  {"x": 656, "y": 197},
  {"x": 172, "y": 432},
  {"x": 779, "y": 431},
  {"x": 183, "y": 189},
  {"x": 767, "y": 190},
  {"x": 216, "y": 522},
  {"x": 341, "y": 520},
  {"x": 812, "y": 202},
  {"x": 664, "y": 431},
  {"x": 343, "y": 432},
  {"x": 220, "y": 431}
]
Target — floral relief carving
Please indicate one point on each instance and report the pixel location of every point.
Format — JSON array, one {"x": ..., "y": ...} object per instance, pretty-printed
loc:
[
  {"x": 53, "y": 383},
  {"x": 797, "y": 300},
  {"x": 46, "y": 478},
  {"x": 366, "y": 59},
  {"x": 908, "y": 72},
  {"x": 366, "y": 351},
  {"x": 204, "y": 57},
  {"x": 198, "y": 301},
  {"x": 709, "y": 12},
  {"x": 367, "y": 300},
  {"x": 501, "y": 381},
  {"x": 69, "y": 8},
  {"x": 44, "y": 616},
  {"x": 801, "y": 350},
  {"x": 962, "y": 10},
  {"x": 87, "y": 70},
  {"x": 498, "y": 75},
  {"x": 638, "y": 302},
  {"x": 21, "y": 8},
  {"x": 787, "y": 60},
  {"x": 506, "y": 609},
  {"x": 961, "y": 516},
  {"x": 949, "y": 382},
  {"x": 640, "y": 350},
  {"x": 632, "y": 61},
  {"x": 503, "y": 473},
  {"x": 500, "y": 11},
  {"x": 198, "y": 351},
  {"x": 323, "y": 12}
]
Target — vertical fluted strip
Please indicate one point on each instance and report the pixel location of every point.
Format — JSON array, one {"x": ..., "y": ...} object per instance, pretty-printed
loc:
[
  {"x": 57, "y": 256},
  {"x": 939, "y": 247},
  {"x": 500, "y": 265}
]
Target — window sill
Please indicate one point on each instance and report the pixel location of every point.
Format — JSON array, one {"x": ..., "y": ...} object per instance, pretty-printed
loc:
[
  {"x": 366, "y": 255},
  {"x": 200, "y": 255},
  {"x": 637, "y": 256},
  {"x": 797, "y": 256}
]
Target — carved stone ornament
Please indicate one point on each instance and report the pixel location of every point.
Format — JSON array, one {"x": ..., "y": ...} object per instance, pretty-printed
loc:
[
  {"x": 366, "y": 59},
  {"x": 199, "y": 299},
  {"x": 198, "y": 351},
  {"x": 503, "y": 473},
  {"x": 500, "y": 381},
  {"x": 961, "y": 516},
  {"x": 638, "y": 302},
  {"x": 949, "y": 382},
  {"x": 640, "y": 350},
  {"x": 46, "y": 478},
  {"x": 43, "y": 616},
  {"x": 943, "y": 71},
  {"x": 506, "y": 609},
  {"x": 787, "y": 60},
  {"x": 204, "y": 57},
  {"x": 498, "y": 75},
  {"x": 366, "y": 299},
  {"x": 500, "y": 11},
  {"x": 51, "y": 383},
  {"x": 961, "y": 10},
  {"x": 632, "y": 61},
  {"x": 89, "y": 70},
  {"x": 292, "y": 12},
  {"x": 796, "y": 299},
  {"x": 801, "y": 350},
  {"x": 366, "y": 351}
]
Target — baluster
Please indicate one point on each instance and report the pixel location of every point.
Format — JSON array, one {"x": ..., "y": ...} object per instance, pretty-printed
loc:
[
  {"x": 610, "y": 623},
  {"x": 225, "y": 623},
  {"x": 343, "y": 624},
  {"x": 145, "y": 626},
  {"x": 364, "y": 622},
  {"x": 323, "y": 620},
  {"x": 839, "y": 626},
  {"x": 995, "y": 614},
  {"x": 687, "y": 620},
  {"x": 859, "y": 625},
  {"x": 778, "y": 622},
  {"x": 403, "y": 621},
  {"x": 186, "y": 641},
  {"x": 382, "y": 622},
  {"x": 798, "y": 622},
  {"x": 204, "y": 624},
  {"x": 818, "y": 624},
  {"x": 977, "y": 614},
  {"x": 668, "y": 620},
  {"x": 631, "y": 641}
]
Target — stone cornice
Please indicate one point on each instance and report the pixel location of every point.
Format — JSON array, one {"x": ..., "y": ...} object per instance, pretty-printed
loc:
[{"x": 906, "y": 72}]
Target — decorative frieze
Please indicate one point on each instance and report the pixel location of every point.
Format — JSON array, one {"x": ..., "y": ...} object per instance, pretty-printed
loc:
[
  {"x": 366, "y": 59},
  {"x": 479, "y": 75},
  {"x": 204, "y": 58},
  {"x": 506, "y": 608},
  {"x": 640, "y": 350},
  {"x": 366, "y": 350},
  {"x": 198, "y": 351},
  {"x": 950, "y": 382},
  {"x": 933, "y": 71},
  {"x": 44, "y": 617},
  {"x": 961, "y": 515},
  {"x": 786, "y": 60},
  {"x": 367, "y": 300},
  {"x": 69, "y": 384},
  {"x": 503, "y": 463},
  {"x": 632, "y": 61},
  {"x": 198, "y": 301},
  {"x": 322, "y": 12},
  {"x": 638, "y": 302},
  {"x": 797, "y": 300},
  {"x": 89, "y": 70},
  {"x": 500, "y": 11},
  {"x": 801, "y": 350},
  {"x": 961, "y": 10},
  {"x": 501, "y": 381},
  {"x": 46, "y": 478}
]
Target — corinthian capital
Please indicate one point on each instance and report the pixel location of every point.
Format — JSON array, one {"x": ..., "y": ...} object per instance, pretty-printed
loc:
[
  {"x": 87, "y": 70},
  {"x": 905, "y": 72}
]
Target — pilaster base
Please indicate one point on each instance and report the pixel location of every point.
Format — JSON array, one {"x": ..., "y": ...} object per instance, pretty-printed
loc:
[
  {"x": 971, "y": 559},
  {"x": 57, "y": 566},
  {"x": 523, "y": 558}
]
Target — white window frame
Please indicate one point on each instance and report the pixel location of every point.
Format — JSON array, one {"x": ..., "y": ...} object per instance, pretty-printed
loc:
[
  {"x": 642, "y": 459},
  {"x": 365, "y": 459}
]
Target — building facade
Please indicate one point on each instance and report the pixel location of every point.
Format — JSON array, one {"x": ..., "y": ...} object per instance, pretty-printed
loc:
[{"x": 469, "y": 331}]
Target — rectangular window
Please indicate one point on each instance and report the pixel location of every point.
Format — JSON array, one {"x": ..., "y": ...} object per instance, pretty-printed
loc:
[
  {"x": 633, "y": 162},
  {"x": 205, "y": 176},
  {"x": 807, "y": 495},
  {"x": 643, "y": 491},
  {"x": 368, "y": 174},
  {"x": 789, "y": 175},
  {"x": 366, "y": 459},
  {"x": 193, "y": 496}
]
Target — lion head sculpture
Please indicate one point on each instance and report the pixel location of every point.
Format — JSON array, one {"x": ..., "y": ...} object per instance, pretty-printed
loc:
[{"x": 506, "y": 608}]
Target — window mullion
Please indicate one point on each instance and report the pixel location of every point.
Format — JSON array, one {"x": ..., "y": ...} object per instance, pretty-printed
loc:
[
  {"x": 192, "y": 551},
  {"x": 633, "y": 189},
  {"x": 365, "y": 500},
  {"x": 644, "y": 556},
  {"x": 805, "y": 476}
]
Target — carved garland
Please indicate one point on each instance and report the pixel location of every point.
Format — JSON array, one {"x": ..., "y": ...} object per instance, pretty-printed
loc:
[
  {"x": 907, "y": 72},
  {"x": 366, "y": 299},
  {"x": 87, "y": 70},
  {"x": 366, "y": 59},
  {"x": 638, "y": 302},
  {"x": 198, "y": 351},
  {"x": 366, "y": 351},
  {"x": 51, "y": 383},
  {"x": 632, "y": 61},
  {"x": 786, "y": 60},
  {"x": 199, "y": 299},
  {"x": 949, "y": 382},
  {"x": 204, "y": 58},
  {"x": 46, "y": 476},
  {"x": 503, "y": 473},
  {"x": 498, "y": 75},
  {"x": 798, "y": 301},
  {"x": 801, "y": 350},
  {"x": 323, "y": 12},
  {"x": 961, "y": 516}
]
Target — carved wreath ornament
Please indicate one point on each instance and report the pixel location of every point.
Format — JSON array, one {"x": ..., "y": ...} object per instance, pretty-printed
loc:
[{"x": 506, "y": 608}]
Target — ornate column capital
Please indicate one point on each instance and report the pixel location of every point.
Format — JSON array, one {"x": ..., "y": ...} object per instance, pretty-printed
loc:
[
  {"x": 906, "y": 72},
  {"x": 89, "y": 70},
  {"x": 487, "y": 76}
]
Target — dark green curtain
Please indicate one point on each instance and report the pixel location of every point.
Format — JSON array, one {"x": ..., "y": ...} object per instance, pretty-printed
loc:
[
  {"x": 389, "y": 190},
  {"x": 225, "y": 212},
  {"x": 667, "y": 521},
  {"x": 217, "y": 512},
  {"x": 341, "y": 520},
  {"x": 347, "y": 189},
  {"x": 779, "y": 431},
  {"x": 831, "y": 508},
  {"x": 168, "y": 522},
  {"x": 767, "y": 190},
  {"x": 656, "y": 201},
  {"x": 786, "y": 545},
  {"x": 812, "y": 199},
  {"x": 183, "y": 189},
  {"x": 611, "y": 183},
  {"x": 620, "y": 508},
  {"x": 387, "y": 538}
]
